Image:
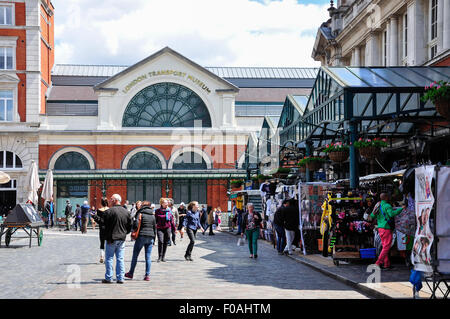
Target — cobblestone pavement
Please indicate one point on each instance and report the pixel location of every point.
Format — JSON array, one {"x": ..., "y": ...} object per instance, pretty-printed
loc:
[{"x": 220, "y": 270}]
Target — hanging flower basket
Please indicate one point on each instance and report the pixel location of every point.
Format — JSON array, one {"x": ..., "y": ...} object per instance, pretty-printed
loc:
[
  {"x": 302, "y": 169},
  {"x": 313, "y": 166},
  {"x": 370, "y": 152},
  {"x": 281, "y": 172},
  {"x": 339, "y": 156},
  {"x": 443, "y": 108}
]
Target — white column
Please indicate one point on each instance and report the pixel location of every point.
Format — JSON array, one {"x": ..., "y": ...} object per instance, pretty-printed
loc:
[
  {"x": 356, "y": 56},
  {"x": 440, "y": 25},
  {"x": 393, "y": 42},
  {"x": 446, "y": 26},
  {"x": 372, "y": 51},
  {"x": 417, "y": 48}
]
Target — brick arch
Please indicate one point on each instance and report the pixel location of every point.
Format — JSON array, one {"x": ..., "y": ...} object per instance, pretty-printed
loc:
[
  {"x": 173, "y": 157},
  {"x": 149, "y": 149},
  {"x": 82, "y": 151}
]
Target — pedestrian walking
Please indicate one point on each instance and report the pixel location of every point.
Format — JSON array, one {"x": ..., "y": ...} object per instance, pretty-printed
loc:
[
  {"x": 239, "y": 220},
  {"x": 176, "y": 220},
  {"x": 164, "y": 224},
  {"x": 135, "y": 207},
  {"x": 68, "y": 213},
  {"x": 211, "y": 220},
  {"x": 182, "y": 211},
  {"x": 204, "y": 218},
  {"x": 145, "y": 221},
  {"x": 290, "y": 223},
  {"x": 251, "y": 222},
  {"x": 78, "y": 217},
  {"x": 218, "y": 218},
  {"x": 385, "y": 221},
  {"x": 279, "y": 229},
  {"x": 50, "y": 210},
  {"x": 93, "y": 212},
  {"x": 192, "y": 224},
  {"x": 117, "y": 226},
  {"x": 99, "y": 218},
  {"x": 84, "y": 217}
]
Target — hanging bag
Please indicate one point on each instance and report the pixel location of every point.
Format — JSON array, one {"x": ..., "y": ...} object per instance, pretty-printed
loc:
[
  {"x": 241, "y": 242},
  {"x": 391, "y": 222},
  {"x": 135, "y": 234}
]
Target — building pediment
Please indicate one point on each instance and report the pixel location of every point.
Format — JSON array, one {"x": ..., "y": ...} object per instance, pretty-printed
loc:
[
  {"x": 166, "y": 63},
  {"x": 9, "y": 78}
]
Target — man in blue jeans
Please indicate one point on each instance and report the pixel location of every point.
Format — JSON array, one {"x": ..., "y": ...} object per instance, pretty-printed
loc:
[
  {"x": 117, "y": 225},
  {"x": 50, "y": 210}
]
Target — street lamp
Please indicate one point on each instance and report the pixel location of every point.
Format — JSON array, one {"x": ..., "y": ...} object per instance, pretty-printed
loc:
[{"x": 418, "y": 143}]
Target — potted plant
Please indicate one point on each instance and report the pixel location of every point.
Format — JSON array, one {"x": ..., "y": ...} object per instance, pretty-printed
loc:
[
  {"x": 312, "y": 163},
  {"x": 238, "y": 183},
  {"x": 439, "y": 94},
  {"x": 338, "y": 152},
  {"x": 262, "y": 178},
  {"x": 370, "y": 148}
]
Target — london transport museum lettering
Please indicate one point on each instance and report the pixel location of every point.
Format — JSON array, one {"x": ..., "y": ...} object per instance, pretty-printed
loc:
[{"x": 166, "y": 72}]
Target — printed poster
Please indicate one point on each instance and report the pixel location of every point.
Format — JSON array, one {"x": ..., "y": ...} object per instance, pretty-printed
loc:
[{"x": 423, "y": 240}]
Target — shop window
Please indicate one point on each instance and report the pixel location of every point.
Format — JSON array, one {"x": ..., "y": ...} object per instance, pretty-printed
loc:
[
  {"x": 6, "y": 106},
  {"x": 144, "y": 161},
  {"x": 6, "y": 15},
  {"x": 9, "y": 160},
  {"x": 72, "y": 161},
  {"x": 189, "y": 190}
]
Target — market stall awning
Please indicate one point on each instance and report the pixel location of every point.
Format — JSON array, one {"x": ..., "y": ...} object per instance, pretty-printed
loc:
[{"x": 375, "y": 177}]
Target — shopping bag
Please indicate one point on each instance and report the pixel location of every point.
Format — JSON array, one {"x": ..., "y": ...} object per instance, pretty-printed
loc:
[{"x": 241, "y": 242}]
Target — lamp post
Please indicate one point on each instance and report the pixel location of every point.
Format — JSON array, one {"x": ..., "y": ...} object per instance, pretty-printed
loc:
[{"x": 418, "y": 143}]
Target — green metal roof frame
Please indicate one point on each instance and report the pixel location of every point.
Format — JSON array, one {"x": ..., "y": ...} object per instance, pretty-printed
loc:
[
  {"x": 368, "y": 96},
  {"x": 138, "y": 176}
]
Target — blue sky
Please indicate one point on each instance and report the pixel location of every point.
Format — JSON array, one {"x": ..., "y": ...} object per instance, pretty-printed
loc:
[{"x": 210, "y": 32}]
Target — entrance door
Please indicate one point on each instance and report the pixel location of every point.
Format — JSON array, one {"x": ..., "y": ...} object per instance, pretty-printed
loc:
[
  {"x": 75, "y": 190},
  {"x": 147, "y": 189},
  {"x": 8, "y": 197}
]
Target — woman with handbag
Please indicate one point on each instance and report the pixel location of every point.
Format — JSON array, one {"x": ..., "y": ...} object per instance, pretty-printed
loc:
[
  {"x": 164, "y": 225},
  {"x": 144, "y": 233},
  {"x": 251, "y": 223}
]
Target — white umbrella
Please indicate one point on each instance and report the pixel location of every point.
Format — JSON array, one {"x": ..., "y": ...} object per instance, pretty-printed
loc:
[
  {"x": 47, "y": 189},
  {"x": 4, "y": 178},
  {"x": 32, "y": 183}
]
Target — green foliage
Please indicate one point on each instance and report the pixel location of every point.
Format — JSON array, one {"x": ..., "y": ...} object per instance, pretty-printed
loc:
[
  {"x": 437, "y": 91},
  {"x": 377, "y": 142},
  {"x": 309, "y": 159}
]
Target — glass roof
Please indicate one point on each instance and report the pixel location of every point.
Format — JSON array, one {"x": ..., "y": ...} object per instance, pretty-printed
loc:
[{"x": 388, "y": 77}]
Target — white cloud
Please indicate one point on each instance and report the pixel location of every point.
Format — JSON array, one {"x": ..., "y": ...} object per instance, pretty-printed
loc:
[{"x": 210, "y": 32}]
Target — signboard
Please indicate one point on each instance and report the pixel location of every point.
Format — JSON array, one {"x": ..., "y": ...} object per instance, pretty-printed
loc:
[{"x": 423, "y": 240}]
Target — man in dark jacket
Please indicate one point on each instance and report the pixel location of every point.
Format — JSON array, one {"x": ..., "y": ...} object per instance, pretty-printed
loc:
[
  {"x": 117, "y": 225},
  {"x": 68, "y": 213},
  {"x": 278, "y": 224},
  {"x": 146, "y": 238},
  {"x": 50, "y": 210},
  {"x": 84, "y": 217},
  {"x": 291, "y": 224}
]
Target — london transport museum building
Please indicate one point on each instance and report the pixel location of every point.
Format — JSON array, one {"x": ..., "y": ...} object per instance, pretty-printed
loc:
[
  {"x": 163, "y": 127},
  {"x": 168, "y": 127}
]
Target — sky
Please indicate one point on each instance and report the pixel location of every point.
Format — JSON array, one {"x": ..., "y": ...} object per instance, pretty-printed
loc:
[{"x": 278, "y": 33}]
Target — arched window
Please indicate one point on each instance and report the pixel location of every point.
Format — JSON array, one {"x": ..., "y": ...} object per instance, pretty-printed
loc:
[
  {"x": 188, "y": 161},
  {"x": 144, "y": 161},
  {"x": 166, "y": 105},
  {"x": 72, "y": 161},
  {"x": 9, "y": 160}
]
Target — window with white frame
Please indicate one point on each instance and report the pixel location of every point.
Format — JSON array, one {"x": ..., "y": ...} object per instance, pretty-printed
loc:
[
  {"x": 405, "y": 35},
  {"x": 6, "y": 58},
  {"x": 6, "y": 106},
  {"x": 9, "y": 160},
  {"x": 433, "y": 27},
  {"x": 6, "y": 15}
]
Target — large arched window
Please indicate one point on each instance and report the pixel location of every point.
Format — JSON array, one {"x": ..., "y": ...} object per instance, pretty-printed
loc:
[
  {"x": 144, "y": 161},
  {"x": 166, "y": 105},
  {"x": 72, "y": 161},
  {"x": 188, "y": 161}
]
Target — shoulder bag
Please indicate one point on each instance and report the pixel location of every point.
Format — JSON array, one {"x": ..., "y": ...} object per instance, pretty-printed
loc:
[
  {"x": 391, "y": 222},
  {"x": 135, "y": 234}
]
